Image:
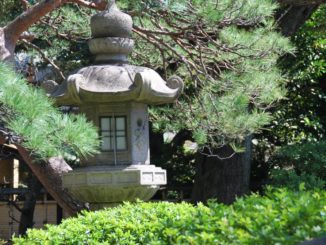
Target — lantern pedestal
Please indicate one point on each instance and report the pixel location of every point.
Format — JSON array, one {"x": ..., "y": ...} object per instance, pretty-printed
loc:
[{"x": 107, "y": 185}]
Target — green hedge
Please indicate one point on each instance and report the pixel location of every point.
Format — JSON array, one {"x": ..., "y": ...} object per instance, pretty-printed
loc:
[{"x": 280, "y": 217}]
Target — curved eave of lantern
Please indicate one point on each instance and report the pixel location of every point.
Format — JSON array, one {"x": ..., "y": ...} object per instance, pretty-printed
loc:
[{"x": 111, "y": 83}]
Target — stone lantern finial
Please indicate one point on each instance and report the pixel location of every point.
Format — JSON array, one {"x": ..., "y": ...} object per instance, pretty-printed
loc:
[{"x": 111, "y": 31}]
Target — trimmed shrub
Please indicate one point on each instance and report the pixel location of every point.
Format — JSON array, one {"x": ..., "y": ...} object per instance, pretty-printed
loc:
[{"x": 280, "y": 217}]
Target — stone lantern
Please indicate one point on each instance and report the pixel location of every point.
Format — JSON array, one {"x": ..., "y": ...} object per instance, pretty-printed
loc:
[{"x": 115, "y": 95}]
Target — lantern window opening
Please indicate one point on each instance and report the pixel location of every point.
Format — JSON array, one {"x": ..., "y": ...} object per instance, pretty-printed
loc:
[{"x": 113, "y": 132}]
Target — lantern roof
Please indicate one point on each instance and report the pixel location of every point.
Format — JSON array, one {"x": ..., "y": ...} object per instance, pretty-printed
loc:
[{"x": 111, "y": 78}]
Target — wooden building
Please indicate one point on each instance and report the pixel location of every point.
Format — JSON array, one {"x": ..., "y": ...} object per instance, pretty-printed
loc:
[
  {"x": 12, "y": 189},
  {"x": 45, "y": 213}
]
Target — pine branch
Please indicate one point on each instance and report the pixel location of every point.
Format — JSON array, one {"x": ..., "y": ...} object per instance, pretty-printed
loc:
[
  {"x": 15, "y": 28},
  {"x": 47, "y": 59},
  {"x": 10, "y": 137},
  {"x": 223, "y": 59},
  {"x": 34, "y": 116}
]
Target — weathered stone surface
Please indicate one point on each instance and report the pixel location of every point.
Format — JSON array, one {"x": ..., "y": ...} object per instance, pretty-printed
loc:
[
  {"x": 111, "y": 49},
  {"x": 112, "y": 83},
  {"x": 113, "y": 80},
  {"x": 112, "y": 184},
  {"x": 139, "y": 133},
  {"x": 111, "y": 45},
  {"x": 49, "y": 86},
  {"x": 111, "y": 23},
  {"x": 137, "y": 151}
]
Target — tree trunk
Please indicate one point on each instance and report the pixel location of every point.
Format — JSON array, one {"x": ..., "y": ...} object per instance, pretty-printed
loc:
[
  {"x": 223, "y": 180},
  {"x": 291, "y": 18},
  {"x": 50, "y": 175},
  {"x": 27, "y": 211},
  {"x": 7, "y": 47}
]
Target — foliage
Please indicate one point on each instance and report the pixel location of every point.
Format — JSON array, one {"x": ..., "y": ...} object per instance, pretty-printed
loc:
[
  {"x": 62, "y": 34},
  {"x": 226, "y": 54},
  {"x": 300, "y": 117},
  {"x": 180, "y": 167},
  {"x": 289, "y": 165},
  {"x": 291, "y": 180},
  {"x": 29, "y": 113},
  {"x": 170, "y": 155},
  {"x": 307, "y": 158},
  {"x": 9, "y": 9},
  {"x": 280, "y": 217}
]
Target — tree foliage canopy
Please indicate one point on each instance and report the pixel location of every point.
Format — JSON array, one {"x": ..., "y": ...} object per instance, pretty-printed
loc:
[
  {"x": 301, "y": 117},
  {"x": 226, "y": 51},
  {"x": 296, "y": 136}
]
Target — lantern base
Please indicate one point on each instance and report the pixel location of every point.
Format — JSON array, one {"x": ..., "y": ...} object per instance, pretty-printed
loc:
[{"x": 109, "y": 185}]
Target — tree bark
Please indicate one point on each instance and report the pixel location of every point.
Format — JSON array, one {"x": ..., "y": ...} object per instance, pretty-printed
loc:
[
  {"x": 50, "y": 175},
  {"x": 223, "y": 180},
  {"x": 10, "y": 34},
  {"x": 7, "y": 46}
]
